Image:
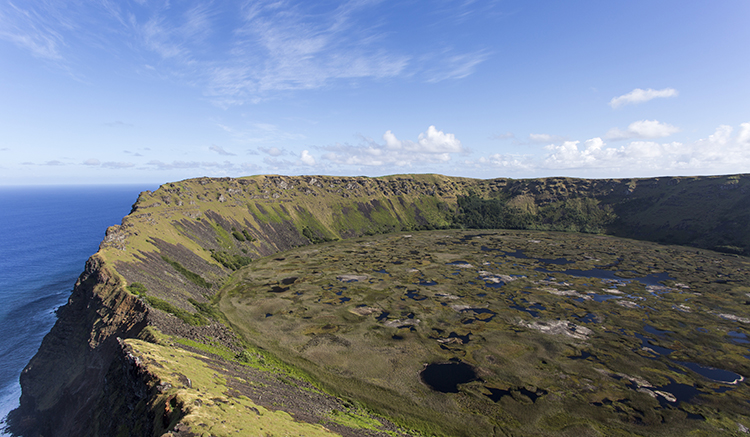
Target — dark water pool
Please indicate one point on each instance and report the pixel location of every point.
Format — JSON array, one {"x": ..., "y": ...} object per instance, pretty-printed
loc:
[
  {"x": 445, "y": 377},
  {"x": 712, "y": 373},
  {"x": 646, "y": 342},
  {"x": 651, "y": 279},
  {"x": 588, "y": 318},
  {"x": 414, "y": 295},
  {"x": 738, "y": 337}
]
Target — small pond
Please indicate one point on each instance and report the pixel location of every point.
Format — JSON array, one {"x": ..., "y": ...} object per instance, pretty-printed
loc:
[{"x": 445, "y": 377}]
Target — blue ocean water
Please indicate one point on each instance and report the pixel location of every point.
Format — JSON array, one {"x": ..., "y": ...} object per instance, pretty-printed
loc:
[{"x": 46, "y": 236}]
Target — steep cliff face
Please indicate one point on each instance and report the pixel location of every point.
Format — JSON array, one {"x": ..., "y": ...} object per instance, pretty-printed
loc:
[
  {"x": 64, "y": 381},
  {"x": 181, "y": 242}
]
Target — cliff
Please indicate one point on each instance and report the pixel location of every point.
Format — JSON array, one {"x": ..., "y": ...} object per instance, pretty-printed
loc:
[{"x": 147, "y": 295}]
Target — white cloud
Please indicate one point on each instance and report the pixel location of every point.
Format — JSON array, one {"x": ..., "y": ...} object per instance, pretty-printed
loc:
[
  {"x": 744, "y": 136},
  {"x": 432, "y": 141},
  {"x": 639, "y": 96},
  {"x": 306, "y": 158},
  {"x": 644, "y": 129},
  {"x": 432, "y": 146},
  {"x": 435, "y": 141},
  {"x": 722, "y": 152},
  {"x": 92, "y": 161}
]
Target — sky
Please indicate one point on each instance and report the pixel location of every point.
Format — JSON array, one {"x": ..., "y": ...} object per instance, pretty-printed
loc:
[{"x": 153, "y": 91}]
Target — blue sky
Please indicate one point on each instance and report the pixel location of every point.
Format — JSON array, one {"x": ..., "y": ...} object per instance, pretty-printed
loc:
[{"x": 155, "y": 91}]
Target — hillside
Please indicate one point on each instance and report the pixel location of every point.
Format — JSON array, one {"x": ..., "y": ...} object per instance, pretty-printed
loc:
[{"x": 154, "y": 288}]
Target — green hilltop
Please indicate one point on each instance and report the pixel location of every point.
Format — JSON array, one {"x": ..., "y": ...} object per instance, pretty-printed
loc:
[{"x": 147, "y": 344}]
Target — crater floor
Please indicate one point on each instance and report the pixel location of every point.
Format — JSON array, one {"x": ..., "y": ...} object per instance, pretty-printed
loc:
[{"x": 566, "y": 333}]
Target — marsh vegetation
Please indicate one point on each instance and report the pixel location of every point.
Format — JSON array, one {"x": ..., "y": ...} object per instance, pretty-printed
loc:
[{"x": 559, "y": 333}]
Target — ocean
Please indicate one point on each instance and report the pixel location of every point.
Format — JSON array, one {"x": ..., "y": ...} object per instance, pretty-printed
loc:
[{"x": 46, "y": 235}]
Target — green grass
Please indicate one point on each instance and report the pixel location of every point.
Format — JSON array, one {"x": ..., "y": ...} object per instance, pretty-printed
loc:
[{"x": 352, "y": 420}]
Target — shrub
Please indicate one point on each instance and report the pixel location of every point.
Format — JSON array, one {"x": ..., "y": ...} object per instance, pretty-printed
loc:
[
  {"x": 137, "y": 288},
  {"x": 247, "y": 235},
  {"x": 233, "y": 262},
  {"x": 238, "y": 235}
]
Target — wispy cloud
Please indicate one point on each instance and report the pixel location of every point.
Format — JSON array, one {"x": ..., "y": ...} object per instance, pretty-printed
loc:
[
  {"x": 296, "y": 46},
  {"x": 182, "y": 165},
  {"x": 272, "y": 151},
  {"x": 644, "y": 129},
  {"x": 93, "y": 162},
  {"x": 240, "y": 52},
  {"x": 117, "y": 165},
  {"x": 639, "y": 96},
  {"x": 220, "y": 150},
  {"x": 454, "y": 66},
  {"x": 32, "y": 30}
]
